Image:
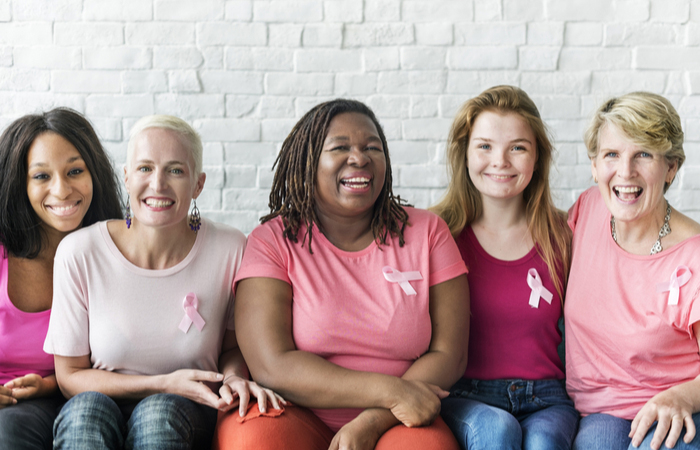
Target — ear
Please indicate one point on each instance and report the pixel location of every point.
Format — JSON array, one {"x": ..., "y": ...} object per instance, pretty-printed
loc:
[
  {"x": 200, "y": 184},
  {"x": 672, "y": 171},
  {"x": 126, "y": 176},
  {"x": 594, "y": 170}
]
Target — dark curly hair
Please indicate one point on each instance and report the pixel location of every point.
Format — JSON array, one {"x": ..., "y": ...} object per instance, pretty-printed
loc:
[
  {"x": 293, "y": 188},
  {"x": 20, "y": 230}
]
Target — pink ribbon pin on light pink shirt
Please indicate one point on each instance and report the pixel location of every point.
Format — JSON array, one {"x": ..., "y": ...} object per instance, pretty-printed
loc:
[
  {"x": 394, "y": 276},
  {"x": 190, "y": 305},
  {"x": 538, "y": 290},
  {"x": 674, "y": 286}
]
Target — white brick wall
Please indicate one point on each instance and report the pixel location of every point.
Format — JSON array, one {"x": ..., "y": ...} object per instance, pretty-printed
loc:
[{"x": 243, "y": 71}]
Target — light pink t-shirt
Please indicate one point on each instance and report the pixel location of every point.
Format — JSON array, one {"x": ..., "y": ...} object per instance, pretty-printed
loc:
[
  {"x": 343, "y": 308},
  {"x": 508, "y": 338},
  {"x": 624, "y": 342},
  {"x": 127, "y": 318},
  {"x": 21, "y": 336}
]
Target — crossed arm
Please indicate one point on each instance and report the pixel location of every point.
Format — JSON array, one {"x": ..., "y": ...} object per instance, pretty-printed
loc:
[{"x": 311, "y": 381}]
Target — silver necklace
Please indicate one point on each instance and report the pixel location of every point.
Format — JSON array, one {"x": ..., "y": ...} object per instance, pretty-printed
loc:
[{"x": 664, "y": 231}]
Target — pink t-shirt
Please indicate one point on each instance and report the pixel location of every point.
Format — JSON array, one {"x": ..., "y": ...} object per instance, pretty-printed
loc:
[
  {"x": 508, "y": 338},
  {"x": 343, "y": 308},
  {"x": 624, "y": 342},
  {"x": 21, "y": 336},
  {"x": 128, "y": 318}
]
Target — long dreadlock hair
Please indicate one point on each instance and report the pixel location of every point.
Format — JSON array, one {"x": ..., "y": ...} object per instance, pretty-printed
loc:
[{"x": 293, "y": 195}]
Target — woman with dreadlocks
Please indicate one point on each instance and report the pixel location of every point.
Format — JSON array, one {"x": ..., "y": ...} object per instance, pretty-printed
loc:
[{"x": 347, "y": 303}]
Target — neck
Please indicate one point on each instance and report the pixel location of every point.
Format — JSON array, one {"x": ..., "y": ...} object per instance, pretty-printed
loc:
[
  {"x": 50, "y": 240},
  {"x": 347, "y": 233},
  {"x": 640, "y": 235},
  {"x": 156, "y": 248},
  {"x": 502, "y": 214}
]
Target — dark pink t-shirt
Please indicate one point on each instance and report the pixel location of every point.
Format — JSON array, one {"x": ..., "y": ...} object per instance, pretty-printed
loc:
[
  {"x": 508, "y": 338},
  {"x": 343, "y": 308},
  {"x": 22, "y": 336}
]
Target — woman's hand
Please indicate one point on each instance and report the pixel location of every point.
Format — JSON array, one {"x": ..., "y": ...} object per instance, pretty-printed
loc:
[
  {"x": 358, "y": 434},
  {"x": 190, "y": 383},
  {"x": 417, "y": 403},
  {"x": 672, "y": 409},
  {"x": 6, "y": 398},
  {"x": 236, "y": 391},
  {"x": 31, "y": 386}
]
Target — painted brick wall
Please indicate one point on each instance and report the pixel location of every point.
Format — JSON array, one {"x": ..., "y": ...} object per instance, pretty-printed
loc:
[{"x": 243, "y": 71}]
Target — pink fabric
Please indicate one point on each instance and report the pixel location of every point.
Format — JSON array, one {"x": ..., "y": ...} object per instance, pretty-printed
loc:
[
  {"x": 624, "y": 343},
  {"x": 344, "y": 309},
  {"x": 126, "y": 317},
  {"x": 21, "y": 336},
  {"x": 508, "y": 338}
]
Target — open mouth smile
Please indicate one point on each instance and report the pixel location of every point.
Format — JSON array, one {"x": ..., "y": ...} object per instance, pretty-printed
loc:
[
  {"x": 356, "y": 182},
  {"x": 627, "y": 193},
  {"x": 158, "y": 203}
]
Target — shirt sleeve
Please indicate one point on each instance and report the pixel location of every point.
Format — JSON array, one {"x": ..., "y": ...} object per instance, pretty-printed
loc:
[
  {"x": 68, "y": 333},
  {"x": 264, "y": 256},
  {"x": 446, "y": 262}
]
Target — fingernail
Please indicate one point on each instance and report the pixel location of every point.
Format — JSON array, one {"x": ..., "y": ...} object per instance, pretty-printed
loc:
[
  {"x": 262, "y": 410},
  {"x": 219, "y": 376}
]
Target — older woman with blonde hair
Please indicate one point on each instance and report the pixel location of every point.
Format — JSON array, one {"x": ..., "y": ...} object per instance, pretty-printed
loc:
[
  {"x": 632, "y": 313},
  {"x": 142, "y": 326}
]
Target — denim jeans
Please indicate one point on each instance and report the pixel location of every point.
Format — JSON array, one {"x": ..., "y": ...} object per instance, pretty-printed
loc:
[
  {"x": 162, "y": 421},
  {"x": 606, "y": 432},
  {"x": 510, "y": 414},
  {"x": 29, "y": 424}
]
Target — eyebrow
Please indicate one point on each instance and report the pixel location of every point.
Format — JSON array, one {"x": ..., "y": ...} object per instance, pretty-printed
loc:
[
  {"x": 372, "y": 138},
  {"x": 168, "y": 163},
  {"x": 491, "y": 140},
  {"x": 72, "y": 159}
]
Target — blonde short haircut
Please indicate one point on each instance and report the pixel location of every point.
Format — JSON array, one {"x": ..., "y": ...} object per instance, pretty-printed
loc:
[
  {"x": 188, "y": 136},
  {"x": 649, "y": 120}
]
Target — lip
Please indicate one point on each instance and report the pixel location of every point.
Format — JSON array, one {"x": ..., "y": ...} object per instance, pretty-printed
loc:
[
  {"x": 64, "y": 209},
  {"x": 615, "y": 189},
  {"x": 500, "y": 178},
  {"x": 165, "y": 203},
  {"x": 356, "y": 188}
]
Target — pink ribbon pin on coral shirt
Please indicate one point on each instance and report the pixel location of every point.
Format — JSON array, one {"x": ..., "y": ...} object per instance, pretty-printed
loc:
[
  {"x": 538, "y": 290},
  {"x": 190, "y": 305},
  {"x": 394, "y": 276},
  {"x": 674, "y": 286}
]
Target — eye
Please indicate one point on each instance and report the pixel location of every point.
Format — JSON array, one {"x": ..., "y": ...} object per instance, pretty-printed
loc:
[
  {"x": 144, "y": 169},
  {"x": 76, "y": 171},
  {"x": 484, "y": 146},
  {"x": 375, "y": 149},
  {"x": 40, "y": 176},
  {"x": 645, "y": 155},
  {"x": 610, "y": 155},
  {"x": 520, "y": 148},
  {"x": 177, "y": 171}
]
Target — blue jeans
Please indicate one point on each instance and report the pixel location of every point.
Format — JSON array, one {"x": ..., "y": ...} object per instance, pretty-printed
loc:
[
  {"x": 162, "y": 421},
  {"x": 29, "y": 424},
  {"x": 606, "y": 432},
  {"x": 510, "y": 414}
]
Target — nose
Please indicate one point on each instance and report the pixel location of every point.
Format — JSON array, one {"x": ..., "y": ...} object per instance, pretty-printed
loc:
[
  {"x": 158, "y": 180},
  {"x": 499, "y": 158},
  {"x": 357, "y": 157},
  {"x": 626, "y": 168},
  {"x": 60, "y": 187}
]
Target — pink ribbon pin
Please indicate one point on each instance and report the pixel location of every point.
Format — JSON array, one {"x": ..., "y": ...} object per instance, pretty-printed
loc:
[
  {"x": 538, "y": 290},
  {"x": 674, "y": 286},
  {"x": 394, "y": 276},
  {"x": 190, "y": 305}
]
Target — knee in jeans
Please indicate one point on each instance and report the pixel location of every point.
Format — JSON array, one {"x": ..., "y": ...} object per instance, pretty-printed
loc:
[
  {"x": 88, "y": 408},
  {"x": 160, "y": 412}
]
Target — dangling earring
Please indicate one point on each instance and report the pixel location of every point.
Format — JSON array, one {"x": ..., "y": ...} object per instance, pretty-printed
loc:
[
  {"x": 595, "y": 180},
  {"x": 195, "y": 220},
  {"x": 128, "y": 214}
]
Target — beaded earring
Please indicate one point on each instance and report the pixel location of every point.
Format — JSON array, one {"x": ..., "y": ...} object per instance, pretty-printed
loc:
[
  {"x": 128, "y": 214},
  {"x": 195, "y": 221}
]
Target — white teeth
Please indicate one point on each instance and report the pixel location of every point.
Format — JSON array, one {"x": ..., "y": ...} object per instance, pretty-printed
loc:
[
  {"x": 63, "y": 208},
  {"x": 500, "y": 177},
  {"x": 158, "y": 203},
  {"x": 356, "y": 180},
  {"x": 628, "y": 190}
]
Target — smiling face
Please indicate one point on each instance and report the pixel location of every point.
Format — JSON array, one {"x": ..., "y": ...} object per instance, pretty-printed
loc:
[
  {"x": 630, "y": 178},
  {"x": 351, "y": 167},
  {"x": 59, "y": 185},
  {"x": 160, "y": 178},
  {"x": 501, "y": 155}
]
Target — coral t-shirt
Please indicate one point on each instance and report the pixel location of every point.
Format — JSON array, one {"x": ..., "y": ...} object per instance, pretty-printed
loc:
[
  {"x": 624, "y": 342},
  {"x": 21, "y": 336},
  {"x": 508, "y": 338},
  {"x": 343, "y": 308}
]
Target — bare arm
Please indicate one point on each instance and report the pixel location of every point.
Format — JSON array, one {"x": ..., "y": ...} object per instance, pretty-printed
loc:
[
  {"x": 75, "y": 375},
  {"x": 32, "y": 386},
  {"x": 673, "y": 409}
]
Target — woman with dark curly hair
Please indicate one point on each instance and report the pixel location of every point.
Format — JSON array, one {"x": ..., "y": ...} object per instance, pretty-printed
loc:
[
  {"x": 351, "y": 305},
  {"x": 55, "y": 177}
]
